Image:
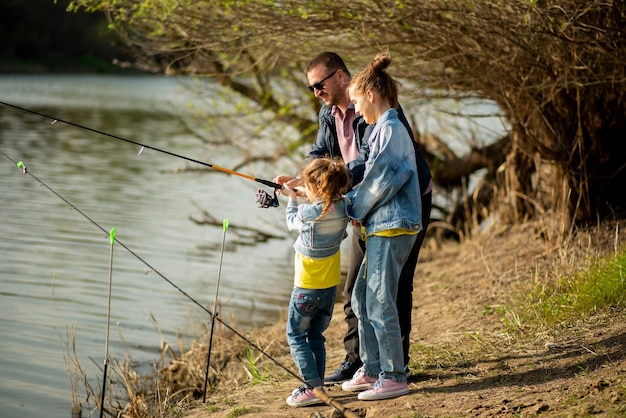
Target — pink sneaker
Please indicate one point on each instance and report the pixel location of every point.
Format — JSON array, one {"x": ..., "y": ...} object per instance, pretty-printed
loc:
[
  {"x": 360, "y": 381},
  {"x": 384, "y": 389},
  {"x": 303, "y": 396}
]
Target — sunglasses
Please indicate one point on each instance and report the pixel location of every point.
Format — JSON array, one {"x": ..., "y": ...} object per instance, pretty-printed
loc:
[{"x": 320, "y": 84}]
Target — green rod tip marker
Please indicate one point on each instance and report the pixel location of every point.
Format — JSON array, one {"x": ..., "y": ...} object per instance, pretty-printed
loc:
[
  {"x": 225, "y": 224},
  {"x": 112, "y": 235},
  {"x": 22, "y": 167}
]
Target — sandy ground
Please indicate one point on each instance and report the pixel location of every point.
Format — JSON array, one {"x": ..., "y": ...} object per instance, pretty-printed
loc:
[{"x": 469, "y": 355}]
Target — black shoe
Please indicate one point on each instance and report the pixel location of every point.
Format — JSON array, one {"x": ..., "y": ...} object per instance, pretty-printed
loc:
[{"x": 343, "y": 373}]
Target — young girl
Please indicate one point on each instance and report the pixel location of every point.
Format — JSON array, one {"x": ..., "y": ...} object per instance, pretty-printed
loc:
[
  {"x": 387, "y": 205},
  {"x": 322, "y": 226}
]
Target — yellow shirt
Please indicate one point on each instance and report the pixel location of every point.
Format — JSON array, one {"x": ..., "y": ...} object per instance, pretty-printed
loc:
[
  {"x": 394, "y": 232},
  {"x": 317, "y": 273}
]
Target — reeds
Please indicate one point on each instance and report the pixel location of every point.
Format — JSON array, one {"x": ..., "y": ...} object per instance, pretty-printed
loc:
[{"x": 178, "y": 377}]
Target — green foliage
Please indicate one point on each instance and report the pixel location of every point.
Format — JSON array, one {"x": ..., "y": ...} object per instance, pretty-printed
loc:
[
  {"x": 584, "y": 293},
  {"x": 213, "y": 408},
  {"x": 256, "y": 374},
  {"x": 557, "y": 73},
  {"x": 227, "y": 401},
  {"x": 242, "y": 410},
  {"x": 94, "y": 64},
  {"x": 40, "y": 34}
]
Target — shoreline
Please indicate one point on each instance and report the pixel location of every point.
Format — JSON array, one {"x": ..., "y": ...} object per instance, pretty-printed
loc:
[{"x": 463, "y": 359}]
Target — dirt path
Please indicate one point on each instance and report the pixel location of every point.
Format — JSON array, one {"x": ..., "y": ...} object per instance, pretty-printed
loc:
[{"x": 464, "y": 361}]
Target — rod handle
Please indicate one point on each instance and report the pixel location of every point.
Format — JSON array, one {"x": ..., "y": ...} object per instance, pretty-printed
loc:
[{"x": 321, "y": 394}]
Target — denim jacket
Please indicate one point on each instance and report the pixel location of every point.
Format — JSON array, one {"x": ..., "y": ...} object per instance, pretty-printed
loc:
[
  {"x": 389, "y": 195},
  {"x": 327, "y": 144},
  {"x": 321, "y": 238}
]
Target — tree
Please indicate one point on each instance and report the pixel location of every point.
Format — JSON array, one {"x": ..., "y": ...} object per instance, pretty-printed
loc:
[
  {"x": 556, "y": 69},
  {"x": 39, "y": 35}
]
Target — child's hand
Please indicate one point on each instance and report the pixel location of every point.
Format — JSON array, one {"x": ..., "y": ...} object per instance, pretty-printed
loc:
[
  {"x": 289, "y": 192},
  {"x": 292, "y": 182},
  {"x": 283, "y": 179}
]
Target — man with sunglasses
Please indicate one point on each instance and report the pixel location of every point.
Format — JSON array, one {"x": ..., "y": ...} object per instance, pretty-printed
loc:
[{"x": 343, "y": 133}]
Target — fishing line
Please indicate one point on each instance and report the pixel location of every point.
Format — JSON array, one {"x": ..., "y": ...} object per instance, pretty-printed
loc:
[
  {"x": 25, "y": 170},
  {"x": 276, "y": 186},
  {"x": 319, "y": 392}
]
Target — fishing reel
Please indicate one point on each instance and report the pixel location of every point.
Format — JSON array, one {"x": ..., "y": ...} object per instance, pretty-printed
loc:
[{"x": 265, "y": 200}]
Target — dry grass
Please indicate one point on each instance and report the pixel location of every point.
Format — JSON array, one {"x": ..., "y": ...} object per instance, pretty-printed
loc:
[{"x": 470, "y": 352}]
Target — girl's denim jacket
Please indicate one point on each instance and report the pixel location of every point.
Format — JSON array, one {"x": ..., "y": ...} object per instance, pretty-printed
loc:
[
  {"x": 327, "y": 144},
  {"x": 321, "y": 238},
  {"x": 389, "y": 195}
]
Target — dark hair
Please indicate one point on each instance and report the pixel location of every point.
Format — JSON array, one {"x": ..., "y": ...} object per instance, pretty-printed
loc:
[
  {"x": 375, "y": 78},
  {"x": 331, "y": 60},
  {"x": 329, "y": 177}
]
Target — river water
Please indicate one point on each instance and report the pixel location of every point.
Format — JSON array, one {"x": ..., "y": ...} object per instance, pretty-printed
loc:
[{"x": 55, "y": 264}]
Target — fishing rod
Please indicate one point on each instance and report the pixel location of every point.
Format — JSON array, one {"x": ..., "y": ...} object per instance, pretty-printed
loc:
[
  {"x": 319, "y": 391},
  {"x": 225, "y": 224},
  {"x": 106, "y": 340},
  {"x": 262, "y": 197}
]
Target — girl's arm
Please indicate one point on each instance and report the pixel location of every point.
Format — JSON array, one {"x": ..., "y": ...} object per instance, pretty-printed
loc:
[
  {"x": 290, "y": 192},
  {"x": 294, "y": 221}
]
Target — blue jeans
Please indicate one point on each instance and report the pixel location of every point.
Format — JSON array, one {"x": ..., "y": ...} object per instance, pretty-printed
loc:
[
  {"x": 310, "y": 312},
  {"x": 374, "y": 303}
]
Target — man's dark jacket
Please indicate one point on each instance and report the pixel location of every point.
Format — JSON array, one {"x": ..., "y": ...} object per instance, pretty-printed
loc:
[{"x": 327, "y": 145}]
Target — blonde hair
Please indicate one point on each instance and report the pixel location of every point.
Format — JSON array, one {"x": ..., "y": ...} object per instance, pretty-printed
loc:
[
  {"x": 330, "y": 179},
  {"x": 375, "y": 78}
]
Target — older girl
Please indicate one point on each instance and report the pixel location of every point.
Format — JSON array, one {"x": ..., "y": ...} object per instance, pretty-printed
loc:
[{"x": 387, "y": 205}]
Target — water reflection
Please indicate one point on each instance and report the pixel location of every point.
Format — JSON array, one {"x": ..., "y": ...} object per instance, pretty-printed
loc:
[{"x": 54, "y": 263}]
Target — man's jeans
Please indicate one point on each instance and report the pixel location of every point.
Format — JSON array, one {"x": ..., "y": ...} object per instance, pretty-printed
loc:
[
  {"x": 374, "y": 303},
  {"x": 310, "y": 312}
]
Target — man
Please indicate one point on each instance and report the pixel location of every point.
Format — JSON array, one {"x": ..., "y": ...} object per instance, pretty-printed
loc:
[{"x": 343, "y": 133}]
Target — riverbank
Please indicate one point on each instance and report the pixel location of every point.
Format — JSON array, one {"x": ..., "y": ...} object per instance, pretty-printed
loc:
[
  {"x": 68, "y": 65},
  {"x": 470, "y": 355}
]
